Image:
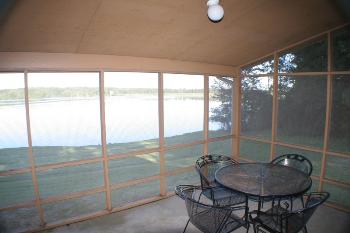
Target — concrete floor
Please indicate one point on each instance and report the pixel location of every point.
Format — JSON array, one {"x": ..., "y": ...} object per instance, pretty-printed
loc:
[{"x": 170, "y": 216}]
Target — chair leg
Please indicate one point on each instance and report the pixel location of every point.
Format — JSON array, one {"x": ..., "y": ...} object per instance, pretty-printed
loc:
[
  {"x": 200, "y": 195},
  {"x": 248, "y": 225},
  {"x": 302, "y": 201},
  {"x": 305, "y": 229},
  {"x": 186, "y": 225},
  {"x": 255, "y": 227}
]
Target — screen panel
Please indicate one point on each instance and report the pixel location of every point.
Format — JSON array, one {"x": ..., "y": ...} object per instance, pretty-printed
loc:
[
  {"x": 221, "y": 147},
  {"x": 183, "y": 108},
  {"x": 338, "y": 168},
  {"x": 302, "y": 110},
  {"x": 314, "y": 186},
  {"x": 341, "y": 49},
  {"x": 16, "y": 189},
  {"x": 19, "y": 220},
  {"x": 256, "y": 106},
  {"x": 220, "y": 105},
  {"x": 135, "y": 167},
  {"x": 62, "y": 210},
  {"x": 265, "y": 66},
  {"x": 339, "y": 139},
  {"x": 338, "y": 195},
  {"x": 131, "y": 101},
  {"x": 65, "y": 116},
  {"x": 134, "y": 193},
  {"x": 307, "y": 57},
  {"x": 183, "y": 157},
  {"x": 66, "y": 180},
  {"x": 13, "y": 127},
  {"x": 256, "y": 151},
  {"x": 190, "y": 178}
]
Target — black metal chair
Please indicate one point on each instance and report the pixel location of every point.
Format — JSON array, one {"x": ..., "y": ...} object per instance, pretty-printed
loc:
[
  {"x": 280, "y": 220},
  {"x": 206, "y": 167},
  {"x": 298, "y": 162},
  {"x": 211, "y": 218}
]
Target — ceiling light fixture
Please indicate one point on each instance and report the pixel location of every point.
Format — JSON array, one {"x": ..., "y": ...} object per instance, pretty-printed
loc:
[{"x": 215, "y": 11}]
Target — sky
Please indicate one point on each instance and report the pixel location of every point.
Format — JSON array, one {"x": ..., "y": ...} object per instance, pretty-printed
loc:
[{"x": 11, "y": 80}]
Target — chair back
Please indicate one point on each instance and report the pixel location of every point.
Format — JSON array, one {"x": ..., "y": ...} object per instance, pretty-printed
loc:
[
  {"x": 296, "y": 161},
  {"x": 206, "y": 217},
  {"x": 207, "y": 165},
  {"x": 297, "y": 220}
]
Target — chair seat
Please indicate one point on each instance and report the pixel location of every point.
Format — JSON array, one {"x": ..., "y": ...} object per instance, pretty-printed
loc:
[
  {"x": 205, "y": 222},
  {"x": 223, "y": 196},
  {"x": 233, "y": 223},
  {"x": 273, "y": 223},
  {"x": 280, "y": 220}
]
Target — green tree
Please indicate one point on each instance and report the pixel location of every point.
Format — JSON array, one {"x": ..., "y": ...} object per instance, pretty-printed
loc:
[{"x": 222, "y": 92}]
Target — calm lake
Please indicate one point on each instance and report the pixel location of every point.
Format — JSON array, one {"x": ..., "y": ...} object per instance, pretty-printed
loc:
[{"x": 76, "y": 122}]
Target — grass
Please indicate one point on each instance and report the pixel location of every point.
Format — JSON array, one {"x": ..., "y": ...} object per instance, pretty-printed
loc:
[{"x": 18, "y": 188}]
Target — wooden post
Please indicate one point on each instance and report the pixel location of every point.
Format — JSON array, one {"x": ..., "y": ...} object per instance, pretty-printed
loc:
[
  {"x": 328, "y": 113},
  {"x": 104, "y": 143},
  {"x": 30, "y": 152},
  {"x": 163, "y": 189},
  {"x": 206, "y": 114},
  {"x": 233, "y": 116},
  {"x": 274, "y": 107},
  {"x": 237, "y": 114}
]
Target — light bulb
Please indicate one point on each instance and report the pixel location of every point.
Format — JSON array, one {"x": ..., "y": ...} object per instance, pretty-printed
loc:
[{"x": 215, "y": 12}]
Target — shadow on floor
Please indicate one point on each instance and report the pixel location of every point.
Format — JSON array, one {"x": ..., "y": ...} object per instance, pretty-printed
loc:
[{"x": 170, "y": 216}]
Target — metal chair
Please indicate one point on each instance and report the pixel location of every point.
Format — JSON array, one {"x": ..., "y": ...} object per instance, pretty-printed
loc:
[
  {"x": 295, "y": 161},
  {"x": 280, "y": 220},
  {"x": 206, "y": 167},
  {"x": 210, "y": 218}
]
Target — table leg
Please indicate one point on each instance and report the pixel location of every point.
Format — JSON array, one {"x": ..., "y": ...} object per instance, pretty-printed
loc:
[
  {"x": 259, "y": 204},
  {"x": 246, "y": 213}
]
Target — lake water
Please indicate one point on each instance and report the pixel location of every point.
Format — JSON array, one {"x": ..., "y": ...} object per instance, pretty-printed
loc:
[{"x": 77, "y": 122}]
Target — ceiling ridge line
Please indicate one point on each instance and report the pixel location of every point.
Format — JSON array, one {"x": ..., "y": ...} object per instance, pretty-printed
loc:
[{"x": 88, "y": 26}]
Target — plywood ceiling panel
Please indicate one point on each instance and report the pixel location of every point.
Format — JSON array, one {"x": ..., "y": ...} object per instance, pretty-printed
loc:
[{"x": 168, "y": 29}]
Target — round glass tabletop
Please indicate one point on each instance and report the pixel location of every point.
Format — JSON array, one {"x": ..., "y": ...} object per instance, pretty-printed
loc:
[{"x": 263, "y": 179}]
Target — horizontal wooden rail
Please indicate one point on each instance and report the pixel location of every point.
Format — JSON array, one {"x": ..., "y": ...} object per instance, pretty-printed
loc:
[
  {"x": 133, "y": 153},
  {"x": 47, "y": 167},
  {"x": 246, "y": 160},
  {"x": 101, "y": 213},
  {"x": 15, "y": 171},
  {"x": 138, "y": 203},
  {"x": 339, "y": 154},
  {"x": 298, "y": 74},
  {"x": 80, "y": 218},
  {"x": 222, "y": 138},
  {"x": 337, "y": 183},
  {"x": 74, "y": 195},
  {"x": 179, "y": 171},
  {"x": 135, "y": 182},
  {"x": 69, "y": 62},
  {"x": 18, "y": 206},
  {"x": 297, "y": 146},
  {"x": 337, "y": 206},
  {"x": 255, "y": 139},
  {"x": 178, "y": 146}
]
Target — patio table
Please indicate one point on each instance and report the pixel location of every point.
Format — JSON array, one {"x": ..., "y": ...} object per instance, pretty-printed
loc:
[{"x": 263, "y": 180}]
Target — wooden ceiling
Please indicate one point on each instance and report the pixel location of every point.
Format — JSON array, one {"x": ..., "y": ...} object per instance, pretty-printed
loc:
[{"x": 171, "y": 29}]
